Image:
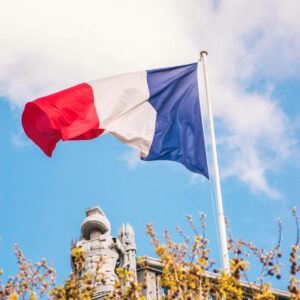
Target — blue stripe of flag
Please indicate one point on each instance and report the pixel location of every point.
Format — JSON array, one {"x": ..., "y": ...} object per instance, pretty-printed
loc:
[{"x": 178, "y": 132}]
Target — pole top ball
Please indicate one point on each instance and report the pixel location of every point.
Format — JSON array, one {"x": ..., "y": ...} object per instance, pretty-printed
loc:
[{"x": 203, "y": 53}]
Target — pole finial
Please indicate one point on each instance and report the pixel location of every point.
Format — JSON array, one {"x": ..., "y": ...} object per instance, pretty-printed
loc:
[{"x": 203, "y": 54}]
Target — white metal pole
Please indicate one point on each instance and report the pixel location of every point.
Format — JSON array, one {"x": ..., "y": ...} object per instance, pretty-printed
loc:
[{"x": 221, "y": 218}]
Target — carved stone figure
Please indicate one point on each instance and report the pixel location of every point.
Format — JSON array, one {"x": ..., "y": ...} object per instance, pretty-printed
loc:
[
  {"x": 103, "y": 253},
  {"x": 126, "y": 237}
]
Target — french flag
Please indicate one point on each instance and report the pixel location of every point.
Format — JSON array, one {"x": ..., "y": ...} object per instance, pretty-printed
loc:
[{"x": 155, "y": 111}]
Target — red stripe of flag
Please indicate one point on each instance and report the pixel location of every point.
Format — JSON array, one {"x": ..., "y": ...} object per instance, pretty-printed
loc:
[{"x": 67, "y": 115}]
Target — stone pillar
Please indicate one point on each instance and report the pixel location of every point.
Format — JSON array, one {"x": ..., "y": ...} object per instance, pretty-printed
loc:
[{"x": 149, "y": 273}]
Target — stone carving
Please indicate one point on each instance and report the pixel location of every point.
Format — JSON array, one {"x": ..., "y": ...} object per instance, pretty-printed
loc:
[
  {"x": 100, "y": 246},
  {"x": 126, "y": 237}
]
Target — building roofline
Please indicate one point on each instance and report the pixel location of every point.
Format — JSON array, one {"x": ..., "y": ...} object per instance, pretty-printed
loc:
[{"x": 155, "y": 265}]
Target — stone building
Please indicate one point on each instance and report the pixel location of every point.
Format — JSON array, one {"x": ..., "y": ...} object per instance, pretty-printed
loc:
[{"x": 97, "y": 242}]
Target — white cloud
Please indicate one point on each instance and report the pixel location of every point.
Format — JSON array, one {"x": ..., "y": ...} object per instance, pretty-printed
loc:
[
  {"x": 251, "y": 43},
  {"x": 132, "y": 159},
  {"x": 49, "y": 45},
  {"x": 18, "y": 140}
]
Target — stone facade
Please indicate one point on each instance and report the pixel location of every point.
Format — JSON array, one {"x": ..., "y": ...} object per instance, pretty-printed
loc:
[{"x": 97, "y": 243}]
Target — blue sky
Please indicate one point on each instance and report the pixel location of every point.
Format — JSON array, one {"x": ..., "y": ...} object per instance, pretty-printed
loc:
[{"x": 254, "y": 64}]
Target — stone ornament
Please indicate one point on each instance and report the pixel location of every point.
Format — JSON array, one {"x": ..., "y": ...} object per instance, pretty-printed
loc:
[{"x": 103, "y": 253}]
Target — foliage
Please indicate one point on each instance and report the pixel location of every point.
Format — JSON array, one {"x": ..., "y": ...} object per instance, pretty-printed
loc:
[
  {"x": 31, "y": 281},
  {"x": 188, "y": 271},
  {"x": 82, "y": 286},
  {"x": 186, "y": 267},
  {"x": 127, "y": 288},
  {"x": 295, "y": 265},
  {"x": 78, "y": 286}
]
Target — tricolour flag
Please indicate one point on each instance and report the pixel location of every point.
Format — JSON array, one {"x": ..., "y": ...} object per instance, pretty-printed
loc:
[{"x": 155, "y": 111}]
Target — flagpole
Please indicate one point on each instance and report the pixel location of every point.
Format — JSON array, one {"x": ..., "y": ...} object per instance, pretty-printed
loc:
[{"x": 221, "y": 218}]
